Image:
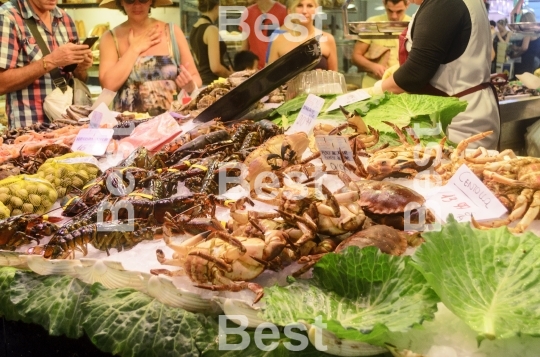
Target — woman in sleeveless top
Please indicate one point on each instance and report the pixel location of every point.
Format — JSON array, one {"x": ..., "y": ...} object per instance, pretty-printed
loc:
[
  {"x": 206, "y": 45},
  {"x": 144, "y": 60},
  {"x": 301, "y": 13}
]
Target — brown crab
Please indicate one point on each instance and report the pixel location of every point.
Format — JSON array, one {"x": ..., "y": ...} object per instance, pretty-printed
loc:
[
  {"x": 385, "y": 202},
  {"x": 220, "y": 261},
  {"x": 388, "y": 239}
]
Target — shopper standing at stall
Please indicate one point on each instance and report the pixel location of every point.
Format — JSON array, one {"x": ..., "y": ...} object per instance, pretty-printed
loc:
[
  {"x": 528, "y": 51},
  {"x": 376, "y": 56},
  {"x": 144, "y": 60},
  {"x": 262, "y": 19},
  {"x": 291, "y": 37},
  {"x": 500, "y": 41},
  {"x": 207, "y": 47},
  {"x": 24, "y": 71},
  {"x": 450, "y": 58}
]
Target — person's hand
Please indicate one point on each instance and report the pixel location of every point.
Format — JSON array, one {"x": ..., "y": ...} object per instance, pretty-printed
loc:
[
  {"x": 378, "y": 70},
  {"x": 143, "y": 41},
  {"x": 390, "y": 71},
  {"x": 375, "y": 90},
  {"x": 87, "y": 63},
  {"x": 69, "y": 53},
  {"x": 184, "y": 80}
]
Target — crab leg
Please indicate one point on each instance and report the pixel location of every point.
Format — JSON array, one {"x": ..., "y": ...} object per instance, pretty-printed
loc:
[
  {"x": 220, "y": 263},
  {"x": 520, "y": 208},
  {"x": 464, "y": 143},
  {"x": 531, "y": 214},
  {"x": 226, "y": 284},
  {"x": 231, "y": 240}
]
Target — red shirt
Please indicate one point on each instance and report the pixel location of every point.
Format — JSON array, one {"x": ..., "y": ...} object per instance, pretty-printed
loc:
[{"x": 265, "y": 27}]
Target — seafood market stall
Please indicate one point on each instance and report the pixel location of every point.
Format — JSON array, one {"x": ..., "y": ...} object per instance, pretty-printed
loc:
[{"x": 329, "y": 224}]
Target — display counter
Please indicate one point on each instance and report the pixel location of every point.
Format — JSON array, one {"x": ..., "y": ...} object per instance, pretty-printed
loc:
[{"x": 516, "y": 116}]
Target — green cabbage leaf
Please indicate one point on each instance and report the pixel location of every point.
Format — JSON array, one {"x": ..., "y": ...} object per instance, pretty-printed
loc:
[
  {"x": 490, "y": 279},
  {"x": 359, "y": 294}
]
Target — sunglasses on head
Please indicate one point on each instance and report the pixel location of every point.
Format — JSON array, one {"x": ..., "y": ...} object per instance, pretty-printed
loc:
[{"x": 131, "y": 2}]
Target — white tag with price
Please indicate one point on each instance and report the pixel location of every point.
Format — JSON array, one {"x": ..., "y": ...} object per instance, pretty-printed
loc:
[
  {"x": 329, "y": 146},
  {"x": 306, "y": 118},
  {"x": 465, "y": 195},
  {"x": 348, "y": 98}
]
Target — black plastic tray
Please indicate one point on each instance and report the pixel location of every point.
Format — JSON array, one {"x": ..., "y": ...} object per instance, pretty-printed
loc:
[{"x": 239, "y": 100}]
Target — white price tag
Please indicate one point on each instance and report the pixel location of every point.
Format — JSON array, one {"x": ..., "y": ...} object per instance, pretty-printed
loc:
[
  {"x": 465, "y": 195},
  {"x": 306, "y": 118},
  {"x": 329, "y": 146},
  {"x": 349, "y": 98},
  {"x": 93, "y": 141}
]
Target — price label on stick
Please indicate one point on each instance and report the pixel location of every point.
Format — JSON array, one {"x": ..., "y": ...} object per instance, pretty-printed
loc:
[
  {"x": 465, "y": 195},
  {"x": 306, "y": 118},
  {"x": 330, "y": 147},
  {"x": 93, "y": 141}
]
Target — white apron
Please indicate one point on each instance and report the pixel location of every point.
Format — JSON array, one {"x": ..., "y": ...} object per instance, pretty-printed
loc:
[{"x": 470, "y": 69}]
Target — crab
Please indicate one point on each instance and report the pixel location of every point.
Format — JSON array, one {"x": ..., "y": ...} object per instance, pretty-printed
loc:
[
  {"x": 364, "y": 136},
  {"x": 219, "y": 261},
  {"x": 388, "y": 239},
  {"x": 475, "y": 161},
  {"x": 516, "y": 183},
  {"x": 405, "y": 160},
  {"x": 385, "y": 202}
]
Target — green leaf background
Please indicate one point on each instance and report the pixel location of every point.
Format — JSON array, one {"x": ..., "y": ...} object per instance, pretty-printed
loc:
[
  {"x": 360, "y": 294},
  {"x": 490, "y": 279}
]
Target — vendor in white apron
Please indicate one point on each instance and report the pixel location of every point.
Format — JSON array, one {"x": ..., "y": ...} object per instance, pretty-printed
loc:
[{"x": 446, "y": 51}]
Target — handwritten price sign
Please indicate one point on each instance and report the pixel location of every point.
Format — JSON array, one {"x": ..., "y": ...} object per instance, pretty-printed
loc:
[
  {"x": 307, "y": 116},
  {"x": 330, "y": 147},
  {"x": 465, "y": 196}
]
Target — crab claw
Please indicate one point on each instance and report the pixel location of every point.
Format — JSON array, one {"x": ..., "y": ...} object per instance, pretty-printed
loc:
[
  {"x": 355, "y": 121},
  {"x": 275, "y": 242}
]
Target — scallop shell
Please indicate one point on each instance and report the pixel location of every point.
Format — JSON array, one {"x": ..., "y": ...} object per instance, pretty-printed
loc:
[
  {"x": 43, "y": 266},
  {"x": 13, "y": 259},
  {"x": 111, "y": 274},
  {"x": 163, "y": 289}
]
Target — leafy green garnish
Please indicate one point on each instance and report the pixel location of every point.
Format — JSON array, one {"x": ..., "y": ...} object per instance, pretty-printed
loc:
[
  {"x": 7, "y": 309},
  {"x": 401, "y": 109},
  {"x": 359, "y": 294},
  {"x": 128, "y": 322},
  {"x": 490, "y": 279},
  {"x": 50, "y": 301}
]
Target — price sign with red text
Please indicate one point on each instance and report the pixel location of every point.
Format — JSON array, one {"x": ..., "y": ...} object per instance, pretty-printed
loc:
[
  {"x": 465, "y": 195},
  {"x": 330, "y": 147}
]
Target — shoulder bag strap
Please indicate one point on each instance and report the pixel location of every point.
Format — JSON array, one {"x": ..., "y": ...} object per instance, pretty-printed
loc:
[
  {"x": 174, "y": 44},
  {"x": 57, "y": 78}
]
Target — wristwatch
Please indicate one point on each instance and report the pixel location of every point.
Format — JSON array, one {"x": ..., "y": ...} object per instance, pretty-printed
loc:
[{"x": 44, "y": 64}]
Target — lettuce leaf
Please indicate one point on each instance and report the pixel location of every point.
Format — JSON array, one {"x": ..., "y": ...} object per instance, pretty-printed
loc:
[
  {"x": 50, "y": 301},
  {"x": 128, "y": 322},
  {"x": 401, "y": 109},
  {"x": 359, "y": 294},
  {"x": 490, "y": 279},
  {"x": 7, "y": 309}
]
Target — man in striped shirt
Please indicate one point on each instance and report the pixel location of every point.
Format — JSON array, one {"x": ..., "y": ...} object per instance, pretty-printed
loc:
[{"x": 24, "y": 71}]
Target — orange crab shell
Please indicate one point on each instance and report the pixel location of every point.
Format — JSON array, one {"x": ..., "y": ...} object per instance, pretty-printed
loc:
[{"x": 385, "y": 197}]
